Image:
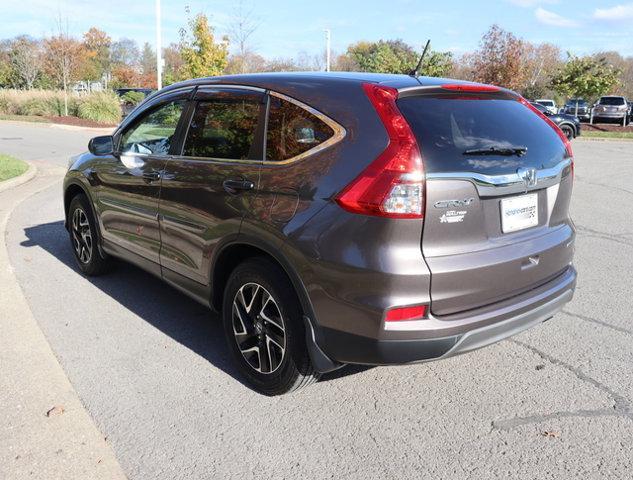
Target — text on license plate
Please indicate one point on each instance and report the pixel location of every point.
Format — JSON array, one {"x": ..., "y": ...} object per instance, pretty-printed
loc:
[{"x": 518, "y": 213}]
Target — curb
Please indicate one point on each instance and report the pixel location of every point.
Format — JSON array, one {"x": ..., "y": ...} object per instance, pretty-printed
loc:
[
  {"x": 19, "y": 180},
  {"x": 60, "y": 125}
]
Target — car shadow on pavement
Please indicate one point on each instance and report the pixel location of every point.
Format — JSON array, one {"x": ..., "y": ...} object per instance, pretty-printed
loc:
[{"x": 164, "y": 307}]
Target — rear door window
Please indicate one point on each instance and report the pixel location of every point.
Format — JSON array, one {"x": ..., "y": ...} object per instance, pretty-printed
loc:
[
  {"x": 293, "y": 131},
  {"x": 224, "y": 127},
  {"x": 446, "y": 126}
]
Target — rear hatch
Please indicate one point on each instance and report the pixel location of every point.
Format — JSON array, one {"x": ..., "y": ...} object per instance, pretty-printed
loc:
[{"x": 496, "y": 223}]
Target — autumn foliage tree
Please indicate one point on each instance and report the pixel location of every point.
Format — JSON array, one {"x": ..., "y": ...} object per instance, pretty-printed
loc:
[
  {"x": 585, "y": 77},
  {"x": 202, "y": 56},
  {"x": 499, "y": 59},
  {"x": 64, "y": 57}
]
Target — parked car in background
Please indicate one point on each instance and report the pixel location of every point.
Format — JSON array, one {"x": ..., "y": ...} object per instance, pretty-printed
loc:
[
  {"x": 578, "y": 107},
  {"x": 131, "y": 97},
  {"x": 611, "y": 108},
  {"x": 549, "y": 104},
  {"x": 336, "y": 218},
  {"x": 569, "y": 124}
]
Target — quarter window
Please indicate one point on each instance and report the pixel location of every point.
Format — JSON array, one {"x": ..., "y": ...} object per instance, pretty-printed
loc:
[
  {"x": 292, "y": 130},
  {"x": 224, "y": 128},
  {"x": 153, "y": 134}
]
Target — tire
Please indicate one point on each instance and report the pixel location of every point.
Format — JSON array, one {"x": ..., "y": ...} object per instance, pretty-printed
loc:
[
  {"x": 568, "y": 131},
  {"x": 267, "y": 342},
  {"x": 84, "y": 238}
]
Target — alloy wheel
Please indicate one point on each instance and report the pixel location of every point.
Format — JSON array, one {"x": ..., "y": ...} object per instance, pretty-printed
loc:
[
  {"x": 259, "y": 328},
  {"x": 82, "y": 238}
]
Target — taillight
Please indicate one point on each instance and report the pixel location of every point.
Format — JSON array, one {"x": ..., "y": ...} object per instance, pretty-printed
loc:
[
  {"x": 558, "y": 131},
  {"x": 393, "y": 184}
]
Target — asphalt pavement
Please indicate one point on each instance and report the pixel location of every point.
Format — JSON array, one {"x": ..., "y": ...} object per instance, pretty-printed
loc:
[{"x": 152, "y": 370}]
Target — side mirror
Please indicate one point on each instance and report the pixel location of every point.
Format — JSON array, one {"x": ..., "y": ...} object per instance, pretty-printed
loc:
[{"x": 103, "y": 145}]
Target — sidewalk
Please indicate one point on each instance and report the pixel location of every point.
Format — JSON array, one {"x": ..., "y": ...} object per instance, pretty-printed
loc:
[{"x": 65, "y": 443}]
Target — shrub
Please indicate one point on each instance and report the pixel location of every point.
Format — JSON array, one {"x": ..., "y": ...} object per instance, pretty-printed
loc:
[
  {"x": 132, "y": 97},
  {"x": 100, "y": 107}
]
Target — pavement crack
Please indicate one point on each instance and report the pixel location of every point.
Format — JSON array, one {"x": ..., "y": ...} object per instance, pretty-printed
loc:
[
  {"x": 621, "y": 405},
  {"x": 617, "y": 238},
  {"x": 597, "y": 322}
]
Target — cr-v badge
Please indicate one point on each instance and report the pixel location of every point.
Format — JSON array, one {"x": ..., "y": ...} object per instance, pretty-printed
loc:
[{"x": 453, "y": 216}]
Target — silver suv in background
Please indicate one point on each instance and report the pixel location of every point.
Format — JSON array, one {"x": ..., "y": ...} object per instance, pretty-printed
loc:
[{"x": 611, "y": 108}]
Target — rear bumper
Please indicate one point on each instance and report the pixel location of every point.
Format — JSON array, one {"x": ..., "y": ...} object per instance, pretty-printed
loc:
[
  {"x": 610, "y": 115},
  {"x": 452, "y": 336}
]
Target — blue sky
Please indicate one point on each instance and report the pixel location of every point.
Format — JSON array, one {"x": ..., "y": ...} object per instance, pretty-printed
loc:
[{"x": 288, "y": 27}]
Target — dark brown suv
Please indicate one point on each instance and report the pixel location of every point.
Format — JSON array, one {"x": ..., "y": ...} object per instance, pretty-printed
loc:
[{"x": 336, "y": 218}]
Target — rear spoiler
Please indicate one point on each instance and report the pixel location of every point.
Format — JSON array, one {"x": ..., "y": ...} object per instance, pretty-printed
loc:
[{"x": 467, "y": 89}]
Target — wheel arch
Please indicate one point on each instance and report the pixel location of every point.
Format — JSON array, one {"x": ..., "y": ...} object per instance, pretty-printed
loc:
[
  {"x": 231, "y": 255},
  {"x": 570, "y": 125}
]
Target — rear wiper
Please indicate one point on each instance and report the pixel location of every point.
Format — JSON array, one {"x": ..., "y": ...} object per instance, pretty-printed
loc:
[{"x": 505, "y": 151}]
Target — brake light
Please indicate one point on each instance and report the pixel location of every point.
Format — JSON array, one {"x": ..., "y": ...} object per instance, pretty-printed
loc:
[
  {"x": 465, "y": 87},
  {"x": 558, "y": 131},
  {"x": 393, "y": 184},
  {"x": 400, "y": 314}
]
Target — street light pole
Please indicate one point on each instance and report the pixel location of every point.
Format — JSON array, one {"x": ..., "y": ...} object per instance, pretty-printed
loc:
[
  {"x": 159, "y": 48},
  {"x": 327, "y": 49}
]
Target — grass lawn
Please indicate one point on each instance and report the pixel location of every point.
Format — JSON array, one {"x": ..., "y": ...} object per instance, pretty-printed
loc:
[
  {"x": 25, "y": 118},
  {"x": 612, "y": 134},
  {"x": 11, "y": 167}
]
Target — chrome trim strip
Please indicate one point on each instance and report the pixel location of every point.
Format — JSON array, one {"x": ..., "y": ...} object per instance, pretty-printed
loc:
[
  {"x": 212, "y": 86},
  {"x": 494, "y": 185}
]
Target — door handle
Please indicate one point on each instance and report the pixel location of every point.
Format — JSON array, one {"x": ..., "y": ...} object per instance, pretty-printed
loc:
[
  {"x": 150, "y": 177},
  {"x": 236, "y": 186}
]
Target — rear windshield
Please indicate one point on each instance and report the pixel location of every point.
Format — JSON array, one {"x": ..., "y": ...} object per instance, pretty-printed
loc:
[
  {"x": 547, "y": 103},
  {"x": 446, "y": 126},
  {"x": 611, "y": 101},
  {"x": 572, "y": 103}
]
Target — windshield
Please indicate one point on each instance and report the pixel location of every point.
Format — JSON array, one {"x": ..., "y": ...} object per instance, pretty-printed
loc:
[
  {"x": 581, "y": 103},
  {"x": 447, "y": 126},
  {"x": 612, "y": 101},
  {"x": 547, "y": 103}
]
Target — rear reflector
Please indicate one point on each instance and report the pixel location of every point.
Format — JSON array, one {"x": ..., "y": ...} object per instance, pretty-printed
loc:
[
  {"x": 400, "y": 314},
  {"x": 465, "y": 87},
  {"x": 393, "y": 184}
]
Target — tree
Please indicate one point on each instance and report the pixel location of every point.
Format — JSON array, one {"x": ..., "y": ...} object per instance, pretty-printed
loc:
[
  {"x": 499, "y": 59},
  {"x": 26, "y": 60},
  {"x": 148, "y": 60},
  {"x": 243, "y": 25},
  {"x": 124, "y": 52},
  {"x": 202, "y": 56},
  {"x": 437, "y": 64},
  {"x": 97, "y": 44},
  {"x": 384, "y": 56},
  {"x": 585, "y": 77},
  {"x": 173, "y": 64},
  {"x": 64, "y": 58},
  {"x": 539, "y": 62}
]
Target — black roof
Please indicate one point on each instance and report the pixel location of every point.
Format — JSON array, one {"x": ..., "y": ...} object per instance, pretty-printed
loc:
[{"x": 279, "y": 80}]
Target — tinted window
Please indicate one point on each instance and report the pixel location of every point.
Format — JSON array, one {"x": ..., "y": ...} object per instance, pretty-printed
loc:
[
  {"x": 292, "y": 130},
  {"x": 540, "y": 107},
  {"x": 154, "y": 132},
  {"x": 446, "y": 127},
  {"x": 611, "y": 101},
  {"x": 223, "y": 128}
]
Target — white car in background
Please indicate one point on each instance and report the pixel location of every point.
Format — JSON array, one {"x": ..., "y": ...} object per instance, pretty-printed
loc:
[{"x": 549, "y": 104}]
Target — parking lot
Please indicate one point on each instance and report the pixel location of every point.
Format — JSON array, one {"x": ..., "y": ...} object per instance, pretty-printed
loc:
[{"x": 151, "y": 368}]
